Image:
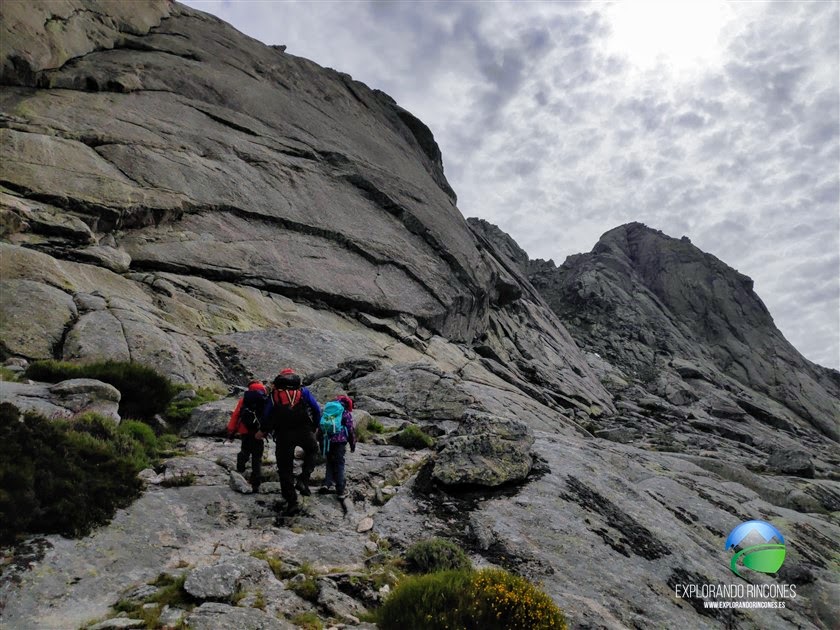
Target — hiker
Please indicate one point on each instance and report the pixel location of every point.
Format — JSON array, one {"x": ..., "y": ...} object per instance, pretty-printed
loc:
[
  {"x": 335, "y": 432},
  {"x": 245, "y": 421},
  {"x": 293, "y": 414}
]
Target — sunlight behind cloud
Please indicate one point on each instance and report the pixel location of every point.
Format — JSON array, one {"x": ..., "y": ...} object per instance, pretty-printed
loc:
[{"x": 680, "y": 36}]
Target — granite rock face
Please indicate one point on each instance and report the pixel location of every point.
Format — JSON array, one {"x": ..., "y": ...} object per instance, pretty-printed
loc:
[{"x": 691, "y": 328}]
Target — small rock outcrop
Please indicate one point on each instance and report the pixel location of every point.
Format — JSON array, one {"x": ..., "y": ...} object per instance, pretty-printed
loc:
[
  {"x": 65, "y": 399},
  {"x": 486, "y": 451}
]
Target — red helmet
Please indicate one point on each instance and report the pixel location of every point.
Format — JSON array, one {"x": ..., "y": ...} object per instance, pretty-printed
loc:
[
  {"x": 256, "y": 386},
  {"x": 346, "y": 401},
  {"x": 286, "y": 371}
]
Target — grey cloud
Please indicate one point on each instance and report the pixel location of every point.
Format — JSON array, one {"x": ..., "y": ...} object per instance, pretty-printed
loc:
[
  {"x": 829, "y": 194},
  {"x": 691, "y": 120},
  {"x": 649, "y": 111},
  {"x": 633, "y": 170}
]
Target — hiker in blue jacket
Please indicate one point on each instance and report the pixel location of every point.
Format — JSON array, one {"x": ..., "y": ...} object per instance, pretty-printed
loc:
[{"x": 292, "y": 414}]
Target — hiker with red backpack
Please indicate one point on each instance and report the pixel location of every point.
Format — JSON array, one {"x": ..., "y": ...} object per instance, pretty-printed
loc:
[
  {"x": 245, "y": 422},
  {"x": 292, "y": 414},
  {"x": 335, "y": 432}
]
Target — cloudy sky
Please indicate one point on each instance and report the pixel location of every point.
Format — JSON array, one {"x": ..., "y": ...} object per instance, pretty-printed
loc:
[{"x": 561, "y": 120}]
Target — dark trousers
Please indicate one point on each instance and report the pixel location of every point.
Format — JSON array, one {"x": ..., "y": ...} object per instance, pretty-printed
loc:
[
  {"x": 253, "y": 448},
  {"x": 287, "y": 439},
  {"x": 335, "y": 466}
]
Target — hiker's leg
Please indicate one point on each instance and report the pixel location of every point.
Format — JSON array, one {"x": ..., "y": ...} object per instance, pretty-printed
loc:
[
  {"x": 340, "y": 450},
  {"x": 242, "y": 455},
  {"x": 309, "y": 444},
  {"x": 329, "y": 479},
  {"x": 256, "y": 463},
  {"x": 285, "y": 467}
]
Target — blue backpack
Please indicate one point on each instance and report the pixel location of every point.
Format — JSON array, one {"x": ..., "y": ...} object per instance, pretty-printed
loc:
[{"x": 331, "y": 422}]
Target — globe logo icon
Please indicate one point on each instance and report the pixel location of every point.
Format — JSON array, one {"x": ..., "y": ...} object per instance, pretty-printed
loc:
[{"x": 757, "y": 545}]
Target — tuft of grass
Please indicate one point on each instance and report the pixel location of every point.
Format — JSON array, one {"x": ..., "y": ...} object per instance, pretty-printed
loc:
[
  {"x": 375, "y": 426},
  {"x": 145, "y": 392},
  {"x": 171, "y": 592},
  {"x": 180, "y": 481},
  {"x": 308, "y": 621},
  {"x": 178, "y": 412},
  {"x": 259, "y": 600},
  {"x": 436, "y": 554},
  {"x": 306, "y": 588},
  {"x": 273, "y": 560},
  {"x": 362, "y": 435},
  {"x": 7, "y": 375},
  {"x": 491, "y": 599},
  {"x": 135, "y": 610},
  {"x": 412, "y": 437}
]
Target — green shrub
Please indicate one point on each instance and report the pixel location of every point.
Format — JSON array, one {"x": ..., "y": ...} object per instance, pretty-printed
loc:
[
  {"x": 57, "y": 477},
  {"x": 66, "y": 476},
  {"x": 435, "y": 600},
  {"x": 490, "y": 599},
  {"x": 436, "y": 554},
  {"x": 144, "y": 391},
  {"x": 179, "y": 411},
  {"x": 413, "y": 437},
  {"x": 7, "y": 375},
  {"x": 375, "y": 426}
]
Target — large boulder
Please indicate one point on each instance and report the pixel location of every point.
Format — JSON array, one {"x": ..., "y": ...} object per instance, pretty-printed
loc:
[
  {"x": 419, "y": 392},
  {"x": 486, "y": 451},
  {"x": 65, "y": 399},
  {"x": 221, "y": 580},
  {"x": 210, "y": 418},
  {"x": 212, "y": 615}
]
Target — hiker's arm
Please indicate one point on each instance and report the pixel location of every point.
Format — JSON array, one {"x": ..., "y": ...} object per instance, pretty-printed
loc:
[
  {"x": 351, "y": 430},
  {"x": 266, "y": 425},
  {"x": 313, "y": 405},
  {"x": 234, "y": 419}
]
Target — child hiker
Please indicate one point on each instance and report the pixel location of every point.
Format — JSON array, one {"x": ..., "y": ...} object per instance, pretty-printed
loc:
[
  {"x": 245, "y": 422},
  {"x": 335, "y": 432}
]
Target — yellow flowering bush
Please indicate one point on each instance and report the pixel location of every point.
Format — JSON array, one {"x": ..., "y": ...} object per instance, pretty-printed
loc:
[
  {"x": 499, "y": 599},
  {"x": 490, "y": 599}
]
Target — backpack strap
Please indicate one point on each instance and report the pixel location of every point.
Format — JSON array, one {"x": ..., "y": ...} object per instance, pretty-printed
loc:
[{"x": 292, "y": 397}]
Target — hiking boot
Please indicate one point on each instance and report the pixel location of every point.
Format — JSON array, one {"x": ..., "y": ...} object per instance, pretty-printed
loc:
[
  {"x": 302, "y": 488},
  {"x": 292, "y": 509},
  {"x": 342, "y": 501},
  {"x": 325, "y": 490}
]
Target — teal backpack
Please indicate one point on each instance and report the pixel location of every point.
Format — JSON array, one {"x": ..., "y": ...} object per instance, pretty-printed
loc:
[{"x": 331, "y": 422}]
